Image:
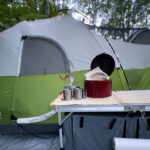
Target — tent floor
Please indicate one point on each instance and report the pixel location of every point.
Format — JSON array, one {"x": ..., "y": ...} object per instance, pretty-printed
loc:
[
  {"x": 29, "y": 142},
  {"x": 29, "y": 137}
]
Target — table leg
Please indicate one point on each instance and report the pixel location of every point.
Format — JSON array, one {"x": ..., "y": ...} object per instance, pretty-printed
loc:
[{"x": 60, "y": 131}]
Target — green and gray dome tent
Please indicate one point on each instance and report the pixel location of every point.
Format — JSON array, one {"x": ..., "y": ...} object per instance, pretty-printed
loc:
[
  {"x": 35, "y": 57},
  {"x": 141, "y": 37}
]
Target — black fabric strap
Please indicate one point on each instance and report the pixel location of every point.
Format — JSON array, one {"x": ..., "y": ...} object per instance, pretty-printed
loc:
[{"x": 81, "y": 122}]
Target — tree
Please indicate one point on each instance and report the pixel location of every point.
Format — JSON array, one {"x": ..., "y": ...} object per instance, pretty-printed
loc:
[
  {"x": 46, "y": 7},
  {"x": 117, "y": 13},
  {"x": 14, "y": 11}
]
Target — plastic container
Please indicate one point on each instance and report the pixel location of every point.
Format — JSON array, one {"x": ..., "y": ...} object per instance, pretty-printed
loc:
[{"x": 98, "y": 89}]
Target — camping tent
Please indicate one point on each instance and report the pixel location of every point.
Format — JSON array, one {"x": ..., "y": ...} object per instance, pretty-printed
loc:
[
  {"x": 35, "y": 57},
  {"x": 141, "y": 37}
]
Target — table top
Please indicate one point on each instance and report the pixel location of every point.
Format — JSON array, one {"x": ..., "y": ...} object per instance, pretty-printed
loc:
[{"x": 118, "y": 98}]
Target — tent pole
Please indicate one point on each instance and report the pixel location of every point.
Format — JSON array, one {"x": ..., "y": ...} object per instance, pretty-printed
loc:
[
  {"x": 60, "y": 131},
  {"x": 129, "y": 87}
]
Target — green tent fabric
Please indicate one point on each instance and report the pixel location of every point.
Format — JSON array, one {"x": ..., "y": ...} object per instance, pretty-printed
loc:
[
  {"x": 33, "y": 94},
  {"x": 6, "y": 98},
  {"x": 139, "y": 79},
  {"x": 28, "y": 96}
]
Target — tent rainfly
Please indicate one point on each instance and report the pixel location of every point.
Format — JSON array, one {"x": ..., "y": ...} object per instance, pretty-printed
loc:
[{"x": 31, "y": 48}]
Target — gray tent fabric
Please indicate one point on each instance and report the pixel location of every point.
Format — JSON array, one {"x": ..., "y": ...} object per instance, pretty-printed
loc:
[
  {"x": 29, "y": 137},
  {"x": 28, "y": 142},
  {"x": 68, "y": 134},
  {"x": 42, "y": 56},
  {"x": 99, "y": 135},
  {"x": 92, "y": 132},
  {"x": 96, "y": 131},
  {"x": 29, "y": 128},
  {"x": 131, "y": 128},
  {"x": 144, "y": 128},
  {"x": 141, "y": 37},
  {"x": 79, "y": 44}
]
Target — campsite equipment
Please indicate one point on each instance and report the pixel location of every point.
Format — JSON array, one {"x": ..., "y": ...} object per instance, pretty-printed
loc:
[
  {"x": 67, "y": 94},
  {"x": 97, "y": 74},
  {"x": 77, "y": 93},
  {"x": 131, "y": 143},
  {"x": 84, "y": 93},
  {"x": 141, "y": 36},
  {"x": 105, "y": 62},
  {"x": 98, "y": 89},
  {"x": 67, "y": 87},
  {"x": 98, "y": 83},
  {"x": 72, "y": 87}
]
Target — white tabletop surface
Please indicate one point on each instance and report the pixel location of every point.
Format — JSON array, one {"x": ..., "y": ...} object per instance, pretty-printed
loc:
[{"x": 118, "y": 97}]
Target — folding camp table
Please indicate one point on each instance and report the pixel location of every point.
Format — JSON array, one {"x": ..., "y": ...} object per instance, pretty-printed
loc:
[{"x": 120, "y": 101}]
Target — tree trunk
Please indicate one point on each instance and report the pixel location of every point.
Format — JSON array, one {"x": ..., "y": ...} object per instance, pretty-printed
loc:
[
  {"x": 46, "y": 7},
  {"x": 36, "y": 3},
  {"x": 115, "y": 13}
]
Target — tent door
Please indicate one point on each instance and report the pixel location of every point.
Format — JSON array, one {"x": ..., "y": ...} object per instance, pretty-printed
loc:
[{"x": 43, "y": 56}]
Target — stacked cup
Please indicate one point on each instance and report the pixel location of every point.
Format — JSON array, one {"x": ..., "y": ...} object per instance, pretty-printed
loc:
[{"x": 73, "y": 91}]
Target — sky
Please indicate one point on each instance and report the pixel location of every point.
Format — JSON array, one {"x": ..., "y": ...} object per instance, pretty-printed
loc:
[{"x": 80, "y": 16}]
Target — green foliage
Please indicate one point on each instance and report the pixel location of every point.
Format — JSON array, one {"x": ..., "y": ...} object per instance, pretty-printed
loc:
[
  {"x": 14, "y": 11},
  {"x": 117, "y": 13},
  {"x": 113, "y": 13}
]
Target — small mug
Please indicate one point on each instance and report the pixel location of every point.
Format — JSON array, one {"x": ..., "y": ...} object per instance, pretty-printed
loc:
[
  {"x": 67, "y": 94},
  {"x": 77, "y": 93}
]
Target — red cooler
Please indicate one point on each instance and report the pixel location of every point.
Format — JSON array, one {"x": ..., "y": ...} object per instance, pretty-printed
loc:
[{"x": 98, "y": 89}]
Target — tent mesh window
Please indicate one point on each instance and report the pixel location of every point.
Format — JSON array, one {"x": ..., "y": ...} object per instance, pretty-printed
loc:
[{"x": 42, "y": 56}]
